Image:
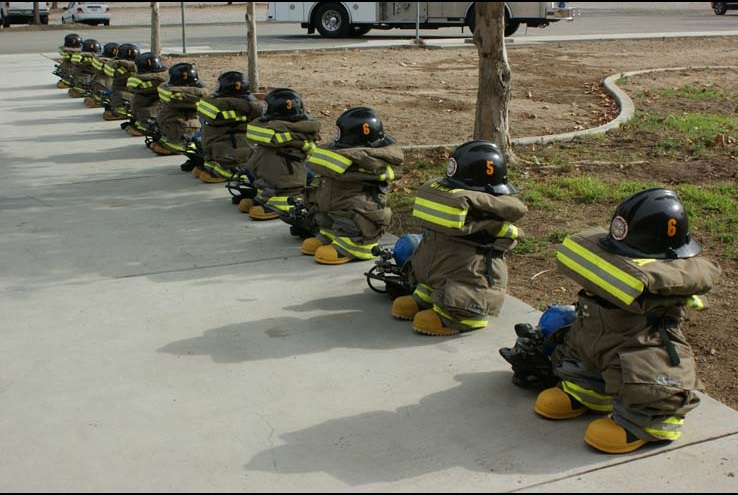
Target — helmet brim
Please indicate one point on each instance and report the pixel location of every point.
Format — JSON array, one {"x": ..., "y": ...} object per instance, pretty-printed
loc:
[{"x": 688, "y": 250}]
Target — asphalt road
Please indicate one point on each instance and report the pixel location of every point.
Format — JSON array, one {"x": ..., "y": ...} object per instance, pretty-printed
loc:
[{"x": 604, "y": 20}]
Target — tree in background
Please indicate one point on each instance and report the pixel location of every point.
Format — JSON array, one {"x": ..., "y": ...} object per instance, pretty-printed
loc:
[{"x": 492, "y": 119}]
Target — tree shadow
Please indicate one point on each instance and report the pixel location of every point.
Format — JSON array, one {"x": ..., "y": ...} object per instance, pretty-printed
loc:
[{"x": 356, "y": 321}]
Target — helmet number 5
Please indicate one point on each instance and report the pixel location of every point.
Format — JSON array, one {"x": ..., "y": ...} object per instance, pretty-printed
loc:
[
  {"x": 490, "y": 168},
  {"x": 671, "y": 228},
  {"x": 365, "y": 129}
]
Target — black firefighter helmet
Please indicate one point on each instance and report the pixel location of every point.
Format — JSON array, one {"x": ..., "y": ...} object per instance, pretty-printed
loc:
[
  {"x": 479, "y": 166},
  {"x": 651, "y": 224},
  {"x": 149, "y": 62},
  {"x": 283, "y": 104},
  {"x": 360, "y": 127},
  {"x": 232, "y": 83},
  {"x": 73, "y": 40},
  {"x": 184, "y": 74}
]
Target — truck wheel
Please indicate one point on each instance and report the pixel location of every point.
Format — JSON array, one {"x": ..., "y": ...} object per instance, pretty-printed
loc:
[
  {"x": 6, "y": 23},
  {"x": 331, "y": 21},
  {"x": 45, "y": 20},
  {"x": 471, "y": 19},
  {"x": 510, "y": 25},
  {"x": 720, "y": 8}
]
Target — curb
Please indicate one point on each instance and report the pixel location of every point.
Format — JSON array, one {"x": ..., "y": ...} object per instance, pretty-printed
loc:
[{"x": 621, "y": 98}]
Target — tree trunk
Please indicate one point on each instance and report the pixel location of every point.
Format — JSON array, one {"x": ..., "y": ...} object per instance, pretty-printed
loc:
[
  {"x": 155, "y": 25},
  {"x": 495, "y": 79},
  {"x": 36, "y": 14},
  {"x": 253, "y": 58}
]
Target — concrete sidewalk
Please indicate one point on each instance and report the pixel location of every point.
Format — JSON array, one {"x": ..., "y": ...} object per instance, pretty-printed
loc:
[{"x": 154, "y": 339}]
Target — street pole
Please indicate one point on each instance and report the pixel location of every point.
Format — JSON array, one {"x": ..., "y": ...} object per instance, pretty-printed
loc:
[
  {"x": 155, "y": 39},
  {"x": 253, "y": 59},
  {"x": 184, "y": 37},
  {"x": 417, "y": 24}
]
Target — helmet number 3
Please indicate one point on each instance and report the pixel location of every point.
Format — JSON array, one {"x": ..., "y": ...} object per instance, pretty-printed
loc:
[
  {"x": 365, "y": 129},
  {"x": 490, "y": 168},
  {"x": 289, "y": 104},
  {"x": 671, "y": 227}
]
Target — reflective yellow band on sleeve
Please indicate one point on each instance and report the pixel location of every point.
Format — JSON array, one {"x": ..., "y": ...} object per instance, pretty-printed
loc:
[
  {"x": 600, "y": 272},
  {"x": 207, "y": 109},
  {"x": 695, "y": 302},
  {"x": 259, "y": 134},
  {"x": 109, "y": 71},
  {"x": 508, "y": 231},
  {"x": 330, "y": 160},
  {"x": 439, "y": 214},
  {"x": 282, "y": 137}
]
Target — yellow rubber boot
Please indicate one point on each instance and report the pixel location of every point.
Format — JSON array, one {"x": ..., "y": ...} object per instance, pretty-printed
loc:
[
  {"x": 245, "y": 205},
  {"x": 310, "y": 245},
  {"x": 404, "y": 308},
  {"x": 206, "y": 176},
  {"x": 108, "y": 115},
  {"x": 258, "y": 213},
  {"x": 327, "y": 255},
  {"x": 159, "y": 149},
  {"x": 131, "y": 129},
  {"x": 554, "y": 403},
  {"x": 428, "y": 322},
  {"x": 607, "y": 436}
]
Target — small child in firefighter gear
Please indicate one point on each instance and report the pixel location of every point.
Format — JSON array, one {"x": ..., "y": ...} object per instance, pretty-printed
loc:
[
  {"x": 72, "y": 45},
  {"x": 101, "y": 81},
  {"x": 150, "y": 73},
  {"x": 460, "y": 266},
  {"x": 177, "y": 117},
  {"x": 225, "y": 115},
  {"x": 118, "y": 104},
  {"x": 83, "y": 69},
  {"x": 349, "y": 208},
  {"x": 284, "y": 135},
  {"x": 625, "y": 354}
]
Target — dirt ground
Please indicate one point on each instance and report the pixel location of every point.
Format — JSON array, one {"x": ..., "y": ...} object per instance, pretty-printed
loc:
[{"x": 427, "y": 96}]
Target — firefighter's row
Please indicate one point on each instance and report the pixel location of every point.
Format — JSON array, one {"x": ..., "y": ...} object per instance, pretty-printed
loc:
[{"x": 619, "y": 350}]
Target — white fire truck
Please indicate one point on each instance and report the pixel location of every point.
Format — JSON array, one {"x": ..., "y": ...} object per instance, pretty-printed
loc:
[{"x": 343, "y": 19}]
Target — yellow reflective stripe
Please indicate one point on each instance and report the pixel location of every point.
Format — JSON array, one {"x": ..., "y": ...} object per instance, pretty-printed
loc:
[
  {"x": 280, "y": 203},
  {"x": 588, "y": 397},
  {"x": 388, "y": 175},
  {"x": 133, "y": 82},
  {"x": 423, "y": 292},
  {"x": 259, "y": 134},
  {"x": 695, "y": 302},
  {"x": 97, "y": 64},
  {"x": 473, "y": 323},
  {"x": 283, "y": 137},
  {"x": 233, "y": 115},
  {"x": 605, "y": 275},
  {"x": 64, "y": 53},
  {"x": 508, "y": 231},
  {"x": 308, "y": 147},
  {"x": 109, "y": 71},
  {"x": 121, "y": 70},
  {"x": 164, "y": 94},
  {"x": 172, "y": 145},
  {"x": 667, "y": 429},
  {"x": 330, "y": 160},
  {"x": 76, "y": 58},
  {"x": 360, "y": 251},
  {"x": 439, "y": 214},
  {"x": 207, "y": 109},
  {"x": 226, "y": 174}
]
